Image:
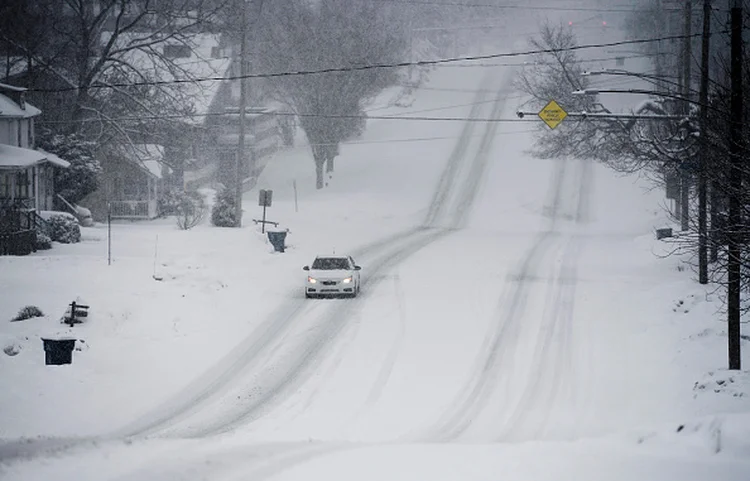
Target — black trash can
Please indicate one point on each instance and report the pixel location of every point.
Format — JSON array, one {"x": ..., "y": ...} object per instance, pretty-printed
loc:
[
  {"x": 58, "y": 351},
  {"x": 277, "y": 240}
]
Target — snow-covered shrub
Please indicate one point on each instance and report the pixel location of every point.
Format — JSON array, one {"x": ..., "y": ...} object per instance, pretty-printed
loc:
[
  {"x": 224, "y": 211},
  {"x": 28, "y": 312},
  {"x": 64, "y": 228},
  {"x": 169, "y": 201},
  {"x": 42, "y": 241},
  {"x": 81, "y": 178},
  {"x": 191, "y": 210},
  {"x": 12, "y": 349}
]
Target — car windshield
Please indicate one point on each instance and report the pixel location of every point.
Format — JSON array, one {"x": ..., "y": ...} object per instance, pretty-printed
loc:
[{"x": 331, "y": 263}]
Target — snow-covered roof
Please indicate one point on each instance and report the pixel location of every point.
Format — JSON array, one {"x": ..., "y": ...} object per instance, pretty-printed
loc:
[
  {"x": 9, "y": 108},
  {"x": 15, "y": 65},
  {"x": 17, "y": 157},
  {"x": 206, "y": 60},
  {"x": 149, "y": 157}
]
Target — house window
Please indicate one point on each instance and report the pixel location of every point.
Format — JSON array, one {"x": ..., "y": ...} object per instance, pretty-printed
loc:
[
  {"x": 19, "y": 130},
  {"x": 22, "y": 184},
  {"x": 217, "y": 52},
  {"x": 5, "y": 188},
  {"x": 132, "y": 190},
  {"x": 177, "y": 51}
]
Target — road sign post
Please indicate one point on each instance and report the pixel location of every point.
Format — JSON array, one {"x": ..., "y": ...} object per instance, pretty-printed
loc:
[{"x": 265, "y": 198}]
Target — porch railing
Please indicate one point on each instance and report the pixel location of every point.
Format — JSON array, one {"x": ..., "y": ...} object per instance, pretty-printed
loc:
[
  {"x": 19, "y": 243},
  {"x": 133, "y": 209}
]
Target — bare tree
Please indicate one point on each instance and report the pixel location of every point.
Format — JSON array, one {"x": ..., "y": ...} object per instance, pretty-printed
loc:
[
  {"x": 111, "y": 64},
  {"x": 331, "y": 34}
]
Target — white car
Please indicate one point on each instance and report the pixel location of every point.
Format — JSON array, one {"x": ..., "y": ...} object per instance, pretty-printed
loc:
[{"x": 332, "y": 276}]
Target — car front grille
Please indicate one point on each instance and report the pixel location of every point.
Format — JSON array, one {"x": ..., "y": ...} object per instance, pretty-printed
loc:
[{"x": 329, "y": 283}]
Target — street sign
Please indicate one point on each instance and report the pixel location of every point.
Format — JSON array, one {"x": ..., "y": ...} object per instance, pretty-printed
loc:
[
  {"x": 265, "y": 198},
  {"x": 552, "y": 114}
]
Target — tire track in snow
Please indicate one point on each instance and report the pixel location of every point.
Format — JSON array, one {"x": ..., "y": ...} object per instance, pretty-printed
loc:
[
  {"x": 390, "y": 360},
  {"x": 499, "y": 346},
  {"x": 253, "y": 461},
  {"x": 551, "y": 360},
  {"x": 218, "y": 379},
  {"x": 552, "y": 366},
  {"x": 305, "y": 361},
  {"x": 396, "y": 249},
  {"x": 499, "y": 350}
]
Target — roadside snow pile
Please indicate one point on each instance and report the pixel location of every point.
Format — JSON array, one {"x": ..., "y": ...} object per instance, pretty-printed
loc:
[
  {"x": 735, "y": 384},
  {"x": 27, "y": 312},
  {"x": 728, "y": 434}
]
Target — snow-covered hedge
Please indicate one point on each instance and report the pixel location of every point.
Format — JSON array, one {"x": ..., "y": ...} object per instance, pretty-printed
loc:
[
  {"x": 224, "y": 210},
  {"x": 42, "y": 242},
  {"x": 63, "y": 227}
]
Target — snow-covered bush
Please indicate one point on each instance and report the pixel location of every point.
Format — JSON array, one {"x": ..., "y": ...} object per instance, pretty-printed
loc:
[
  {"x": 224, "y": 211},
  {"x": 12, "y": 349},
  {"x": 42, "y": 241},
  {"x": 28, "y": 312},
  {"x": 63, "y": 228},
  {"x": 169, "y": 201},
  {"x": 191, "y": 210},
  {"x": 82, "y": 177}
]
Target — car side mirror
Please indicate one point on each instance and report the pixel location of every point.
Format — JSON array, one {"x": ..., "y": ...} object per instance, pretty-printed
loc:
[
  {"x": 357, "y": 268},
  {"x": 306, "y": 268}
]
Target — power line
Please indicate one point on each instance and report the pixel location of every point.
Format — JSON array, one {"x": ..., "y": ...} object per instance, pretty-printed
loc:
[
  {"x": 623, "y": 9},
  {"x": 371, "y": 66},
  {"x": 531, "y": 64},
  {"x": 434, "y": 109},
  {"x": 286, "y": 114},
  {"x": 422, "y": 139}
]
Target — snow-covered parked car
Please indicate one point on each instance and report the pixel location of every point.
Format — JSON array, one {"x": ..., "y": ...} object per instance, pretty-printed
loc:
[{"x": 332, "y": 276}]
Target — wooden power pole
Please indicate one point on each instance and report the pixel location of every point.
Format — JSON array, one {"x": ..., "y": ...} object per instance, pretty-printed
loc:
[
  {"x": 686, "y": 61},
  {"x": 703, "y": 160},
  {"x": 240, "y": 160},
  {"x": 734, "y": 250}
]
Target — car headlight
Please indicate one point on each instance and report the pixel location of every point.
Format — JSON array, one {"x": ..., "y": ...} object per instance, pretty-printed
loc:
[
  {"x": 311, "y": 280},
  {"x": 347, "y": 280}
]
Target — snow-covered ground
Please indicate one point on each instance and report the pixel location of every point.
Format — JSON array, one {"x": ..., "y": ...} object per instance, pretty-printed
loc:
[{"x": 517, "y": 321}]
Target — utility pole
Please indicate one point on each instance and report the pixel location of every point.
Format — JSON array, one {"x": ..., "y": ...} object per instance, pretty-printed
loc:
[
  {"x": 702, "y": 170},
  {"x": 240, "y": 160},
  {"x": 686, "y": 60},
  {"x": 734, "y": 250}
]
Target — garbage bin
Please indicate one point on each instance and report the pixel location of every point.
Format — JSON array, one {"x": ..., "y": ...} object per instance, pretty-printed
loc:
[
  {"x": 277, "y": 240},
  {"x": 58, "y": 351}
]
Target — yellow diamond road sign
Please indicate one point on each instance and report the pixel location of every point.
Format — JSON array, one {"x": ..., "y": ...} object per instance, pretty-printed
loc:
[{"x": 552, "y": 114}]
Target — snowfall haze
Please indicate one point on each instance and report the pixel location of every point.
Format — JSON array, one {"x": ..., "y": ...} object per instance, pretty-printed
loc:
[{"x": 515, "y": 317}]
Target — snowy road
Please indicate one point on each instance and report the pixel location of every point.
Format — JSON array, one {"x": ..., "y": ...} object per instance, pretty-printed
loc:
[
  {"x": 467, "y": 345},
  {"x": 279, "y": 359},
  {"x": 534, "y": 311}
]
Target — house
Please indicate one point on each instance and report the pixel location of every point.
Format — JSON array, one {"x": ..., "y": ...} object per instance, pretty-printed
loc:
[
  {"x": 131, "y": 184},
  {"x": 269, "y": 127},
  {"x": 201, "y": 147},
  {"x": 26, "y": 175}
]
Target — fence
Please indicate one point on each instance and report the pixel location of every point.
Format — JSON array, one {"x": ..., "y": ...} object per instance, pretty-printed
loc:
[{"x": 133, "y": 209}]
